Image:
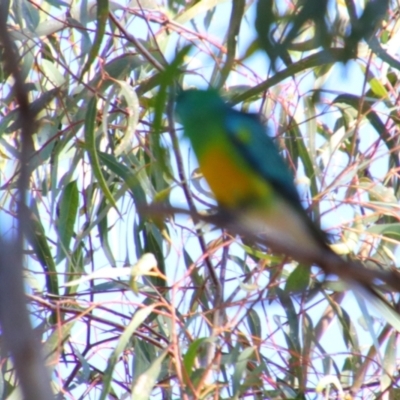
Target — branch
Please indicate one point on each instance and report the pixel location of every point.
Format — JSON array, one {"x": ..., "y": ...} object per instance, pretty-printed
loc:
[{"x": 19, "y": 338}]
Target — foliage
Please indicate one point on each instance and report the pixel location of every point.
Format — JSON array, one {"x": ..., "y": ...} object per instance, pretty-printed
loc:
[{"x": 218, "y": 318}]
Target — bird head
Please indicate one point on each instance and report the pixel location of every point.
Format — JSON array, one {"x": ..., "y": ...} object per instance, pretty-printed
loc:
[{"x": 192, "y": 105}]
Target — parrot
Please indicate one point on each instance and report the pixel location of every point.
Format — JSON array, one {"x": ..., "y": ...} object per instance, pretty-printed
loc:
[{"x": 254, "y": 186}]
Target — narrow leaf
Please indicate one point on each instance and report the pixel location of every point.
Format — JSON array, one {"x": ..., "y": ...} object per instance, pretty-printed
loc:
[{"x": 90, "y": 125}]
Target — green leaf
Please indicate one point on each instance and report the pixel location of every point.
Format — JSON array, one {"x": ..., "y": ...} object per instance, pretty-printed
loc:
[
  {"x": 239, "y": 370},
  {"x": 191, "y": 354},
  {"x": 129, "y": 176},
  {"x": 102, "y": 16},
  {"x": 378, "y": 88},
  {"x": 123, "y": 342},
  {"x": 37, "y": 239},
  {"x": 362, "y": 104},
  {"x": 68, "y": 210},
  {"x": 144, "y": 384},
  {"x": 238, "y": 10},
  {"x": 90, "y": 126},
  {"x": 52, "y": 73},
  {"x": 321, "y": 58},
  {"x": 386, "y": 230},
  {"x": 255, "y": 324},
  {"x": 104, "y": 231},
  {"x": 131, "y": 98},
  {"x": 51, "y": 347},
  {"x": 197, "y": 9},
  {"x": 298, "y": 280}
]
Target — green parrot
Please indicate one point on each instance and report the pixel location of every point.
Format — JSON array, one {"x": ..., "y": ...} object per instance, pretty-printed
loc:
[
  {"x": 245, "y": 171},
  {"x": 254, "y": 186}
]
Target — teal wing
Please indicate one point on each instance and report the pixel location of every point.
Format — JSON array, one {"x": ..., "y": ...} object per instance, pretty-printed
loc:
[{"x": 249, "y": 137}]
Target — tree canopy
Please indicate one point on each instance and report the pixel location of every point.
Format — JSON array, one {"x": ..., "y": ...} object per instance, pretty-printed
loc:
[{"x": 129, "y": 293}]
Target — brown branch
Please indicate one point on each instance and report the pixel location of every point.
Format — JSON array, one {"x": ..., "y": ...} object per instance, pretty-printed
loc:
[
  {"x": 19, "y": 338},
  {"x": 352, "y": 272}
]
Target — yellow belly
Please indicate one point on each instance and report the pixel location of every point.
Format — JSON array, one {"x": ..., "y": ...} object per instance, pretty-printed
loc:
[
  {"x": 231, "y": 183},
  {"x": 264, "y": 212}
]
